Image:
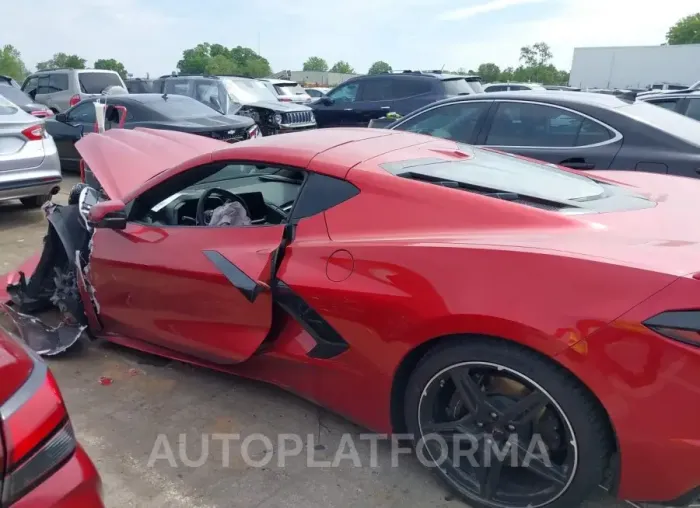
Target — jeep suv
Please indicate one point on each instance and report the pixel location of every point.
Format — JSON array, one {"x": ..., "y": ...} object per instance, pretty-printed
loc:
[
  {"x": 354, "y": 103},
  {"x": 238, "y": 95},
  {"x": 60, "y": 89}
]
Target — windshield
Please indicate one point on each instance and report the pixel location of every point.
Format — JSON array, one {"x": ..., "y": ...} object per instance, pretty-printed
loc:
[
  {"x": 6, "y": 107},
  {"x": 460, "y": 86},
  {"x": 177, "y": 107},
  {"x": 246, "y": 91},
  {"x": 678, "y": 126},
  {"x": 96, "y": 82},
  {"x": 501, "y": 172},
  {"x": 15, "y": 95}
]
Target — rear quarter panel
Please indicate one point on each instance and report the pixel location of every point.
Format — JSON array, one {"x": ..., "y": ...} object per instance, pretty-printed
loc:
[{"x": 416, "y": 277}]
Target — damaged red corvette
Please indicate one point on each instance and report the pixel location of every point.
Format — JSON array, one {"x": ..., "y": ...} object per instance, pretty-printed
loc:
[{"x": 412, "y": 284}]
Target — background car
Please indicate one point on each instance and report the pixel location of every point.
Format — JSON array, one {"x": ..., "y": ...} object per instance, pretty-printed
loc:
[
  {"x": 575, "y": 129},
  {"x": 140, "y": 85},
  {"x": 512, "y": 87},
  {"x": 176, "y": 112},
  {"x": 357, "y": 101},
  {"x": 563, "y": 88},
  {"x": 43, "y": 464},
  {"x": 316, "y": 92},
  {"x": 60, "y": 89},
  {"x": 685, "y": 102},
  {"x": 443, "y": 239},
  {"x": 287, "y": 91},
  {"x": 29, "y": 167},
  {"x": 21, "y": 99},
  {"x": 242, "y": 96},
  {"x": 7, "y": 80}
]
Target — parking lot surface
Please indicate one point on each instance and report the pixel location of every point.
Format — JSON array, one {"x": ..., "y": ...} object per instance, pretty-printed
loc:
[{"x": 122, "y": 401}]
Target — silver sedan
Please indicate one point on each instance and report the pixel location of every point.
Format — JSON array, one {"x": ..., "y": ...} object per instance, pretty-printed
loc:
[{"x": 29, "y": 166}]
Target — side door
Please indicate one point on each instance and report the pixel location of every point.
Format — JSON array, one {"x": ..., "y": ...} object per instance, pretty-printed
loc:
[
  {"x": 375, "y": 101},
  {"x": 77, "y": 120},
  {"x": 457, "y": 121},
  {"x": 30, "y": 86},
  {"x": 551, "y": 134},
  {"x": 411, "y": 93},
  {"x": 52, "y": 91},
  {"x": 214, "y": 298},
  {"x": 337, "y": 109}
]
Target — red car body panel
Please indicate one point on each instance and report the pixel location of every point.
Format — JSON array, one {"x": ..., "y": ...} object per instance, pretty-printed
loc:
[
  {"x": 71, "y": 483},
  {"x": 403, "y": 265}
]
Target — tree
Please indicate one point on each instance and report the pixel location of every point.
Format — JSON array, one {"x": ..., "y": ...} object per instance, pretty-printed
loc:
[
  {"x": 489, "y": 72},
  {"x": 110, "y": 64},
  {"x": 62, "y": 61},
  {"x": 342, "y": 67},
  {"x": 379, "y": 67},
  {"x": 536, "y": 55},
  {"x": 217, "y": 59},
  {"x": 316, "y": 63},
  {"x": 686, "y": 31},
  {"x": 11, "y": 63}
]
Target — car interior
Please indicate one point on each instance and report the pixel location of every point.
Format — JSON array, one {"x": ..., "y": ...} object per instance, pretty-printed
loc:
[{"x": 221, "y": 194}]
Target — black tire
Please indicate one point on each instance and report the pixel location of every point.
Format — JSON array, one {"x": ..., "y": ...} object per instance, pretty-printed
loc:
[
  {"x": 35, "y": 201},
  {"x": 586, "y": 418}
]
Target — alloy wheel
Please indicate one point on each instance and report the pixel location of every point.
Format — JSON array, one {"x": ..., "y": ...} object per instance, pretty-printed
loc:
[{"x": 496, "y": 436}]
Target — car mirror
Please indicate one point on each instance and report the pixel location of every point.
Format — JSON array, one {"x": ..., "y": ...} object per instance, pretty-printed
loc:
[
  {"x": 108, "y": 215},
  {"x": 326, "y": 101},
  {"x": 61, "y": 117}
]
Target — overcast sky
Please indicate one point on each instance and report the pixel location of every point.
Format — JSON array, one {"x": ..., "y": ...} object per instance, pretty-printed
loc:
[{"x": 149, "y": 35}]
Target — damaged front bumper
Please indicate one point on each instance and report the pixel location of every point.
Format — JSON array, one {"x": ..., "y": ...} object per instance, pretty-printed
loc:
[{"x": 52, "y": 307}]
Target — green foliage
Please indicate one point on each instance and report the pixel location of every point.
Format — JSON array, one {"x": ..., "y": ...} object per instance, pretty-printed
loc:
[
  {"x": 208, "y": 58},
  {"x": 342, "y": 67},
  {"x": 11, "y": 63},
  {"x": 535, "y": 67},
  {"x": 62, "y": 61},
  {"x": 489, "y": 72},
  {"x": 316, "y": 63},
  {"x": 379, "y": 67},
  {"x": 686, "y": 31},
  {"x": 110, "y": 64}
]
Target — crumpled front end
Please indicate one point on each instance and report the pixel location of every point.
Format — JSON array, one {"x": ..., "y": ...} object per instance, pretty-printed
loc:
[{"x": 47, "y": 307}]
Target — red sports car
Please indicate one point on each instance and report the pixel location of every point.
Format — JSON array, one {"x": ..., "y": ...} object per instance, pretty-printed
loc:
[
  {"x": 41, "y": 464},
  {"x": 414, "y": 285}
]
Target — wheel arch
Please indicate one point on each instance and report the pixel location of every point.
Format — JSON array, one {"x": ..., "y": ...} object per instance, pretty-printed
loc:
[{"x": 411, "y": 360}]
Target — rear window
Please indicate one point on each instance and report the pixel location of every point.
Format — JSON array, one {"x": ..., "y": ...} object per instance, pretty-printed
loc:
[
  {"x": 681, "y": 127},
  {"x": 7, "y": 107},
  {"x": 15, "y": 95},
  {"x": 289, "y": 89},
  {"x": 177, "y": 107},
  {"x": 96, "y": 82},
  {"x": 460, "y": 86},
  {"x": 499, "y": 172}
]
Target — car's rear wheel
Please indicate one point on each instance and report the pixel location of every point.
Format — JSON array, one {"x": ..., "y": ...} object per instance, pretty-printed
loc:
[
  {"x": 35, "y": 201},
  {"x": 504, "y": 427}
]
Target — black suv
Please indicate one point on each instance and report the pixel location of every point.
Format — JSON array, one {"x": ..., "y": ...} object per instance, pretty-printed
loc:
[
  {"x": 239, "y": 95},
  {"x": 356, "y": 102}
]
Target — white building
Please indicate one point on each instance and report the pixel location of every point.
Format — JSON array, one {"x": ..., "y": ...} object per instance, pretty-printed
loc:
[{"x": 635, "y": 66}]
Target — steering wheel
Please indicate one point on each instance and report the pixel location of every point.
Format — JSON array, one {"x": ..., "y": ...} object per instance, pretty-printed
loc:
[{"x": 226, "y": 195}]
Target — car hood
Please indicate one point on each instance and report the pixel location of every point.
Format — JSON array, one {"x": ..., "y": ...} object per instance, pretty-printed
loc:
[
  {"x": 280, "y": 107},
  {"x": 206, "y": 124},
  {"x": 126, "y": 161},
  {"x": 660, "y": 238}
]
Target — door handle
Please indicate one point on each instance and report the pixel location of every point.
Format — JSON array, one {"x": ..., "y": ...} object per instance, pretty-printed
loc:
[
  {"x": 386, "y": 107},
  {"x": 577, "y": 164},
  {"x": 348, "y": 109}
]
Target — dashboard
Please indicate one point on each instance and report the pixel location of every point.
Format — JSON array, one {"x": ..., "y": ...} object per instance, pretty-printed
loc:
[{"x": 269, "y": 202}]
